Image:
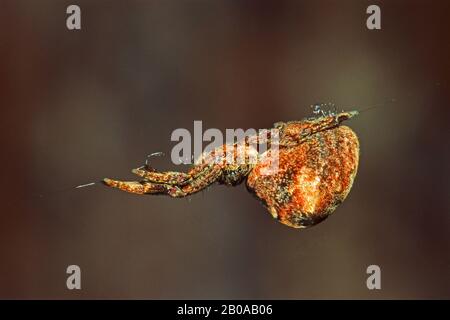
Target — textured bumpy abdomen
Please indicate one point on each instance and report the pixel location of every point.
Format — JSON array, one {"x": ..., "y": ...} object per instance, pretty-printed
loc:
[{"x": 312, "y": 180}]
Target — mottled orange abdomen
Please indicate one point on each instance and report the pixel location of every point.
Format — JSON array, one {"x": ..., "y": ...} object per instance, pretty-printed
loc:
[{"x": 314, "y": 177}]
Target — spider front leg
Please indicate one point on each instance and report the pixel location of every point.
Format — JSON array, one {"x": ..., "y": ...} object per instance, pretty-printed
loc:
[
  {"x": 137, "y": 187},
  {"x": 177, "y": 189},
  {"x": 171, "y": 177}
]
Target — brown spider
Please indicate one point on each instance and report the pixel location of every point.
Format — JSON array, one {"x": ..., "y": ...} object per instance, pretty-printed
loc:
[{"x": 317, "y": 163}]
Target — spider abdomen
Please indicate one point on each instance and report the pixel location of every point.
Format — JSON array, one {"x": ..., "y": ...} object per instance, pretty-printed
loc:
[{"x": 312, "y": 179}]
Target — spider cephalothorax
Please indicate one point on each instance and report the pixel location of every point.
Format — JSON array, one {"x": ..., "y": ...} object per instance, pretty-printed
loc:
[{"x": 317, "y": 162}]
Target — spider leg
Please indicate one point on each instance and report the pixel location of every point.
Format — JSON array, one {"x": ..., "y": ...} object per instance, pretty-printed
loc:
[
  {"x": 137, "y": 187},
  {"x": 209, "y": 175},
  {"x": 168, "y": 177},
  {"x": 171, "y": 177}
]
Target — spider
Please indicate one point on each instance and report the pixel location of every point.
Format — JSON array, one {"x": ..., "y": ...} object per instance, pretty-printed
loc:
[{"x": 317, "y": 163}]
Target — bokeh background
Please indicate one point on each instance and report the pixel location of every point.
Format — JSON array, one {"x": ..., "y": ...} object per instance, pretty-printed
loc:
[{"x": 77, "y": 106}]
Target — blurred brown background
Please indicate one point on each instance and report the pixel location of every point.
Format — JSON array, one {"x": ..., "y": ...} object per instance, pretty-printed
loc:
[{"x": 78, "y": 106}]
